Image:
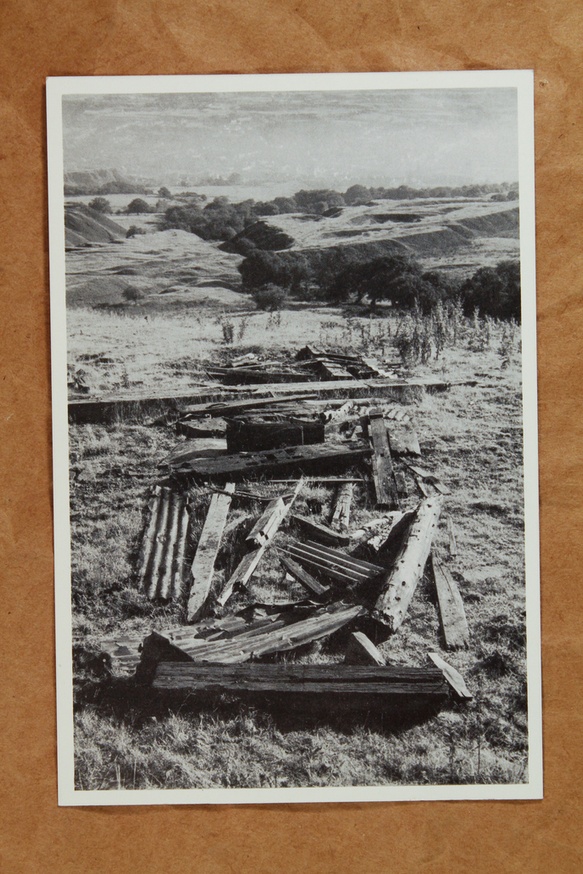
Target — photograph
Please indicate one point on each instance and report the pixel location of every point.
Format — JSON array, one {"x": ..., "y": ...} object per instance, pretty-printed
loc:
[{"x": 293, "y": 333}]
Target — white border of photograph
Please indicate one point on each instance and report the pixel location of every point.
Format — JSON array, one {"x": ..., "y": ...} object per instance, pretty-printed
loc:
[{"x": 522, "y": 80}]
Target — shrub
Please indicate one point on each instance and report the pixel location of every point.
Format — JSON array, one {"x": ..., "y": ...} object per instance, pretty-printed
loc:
[
  {"x": 138, "y": 207},
  {"x": 132, "y": 294},
  {"x": 270, "y": 297},
  {"x": 100, "y": 204},
  {"x": 133, "y": 231}
]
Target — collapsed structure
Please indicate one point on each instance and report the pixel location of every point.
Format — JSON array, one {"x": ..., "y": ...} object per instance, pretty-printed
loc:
[{"x": 266, "y": 448}]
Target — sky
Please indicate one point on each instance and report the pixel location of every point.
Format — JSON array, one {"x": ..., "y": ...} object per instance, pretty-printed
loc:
[{"x": 388, "y": 137}]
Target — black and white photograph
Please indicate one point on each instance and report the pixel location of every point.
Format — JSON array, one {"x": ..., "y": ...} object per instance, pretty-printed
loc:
[{"x": 295, "y": 438}]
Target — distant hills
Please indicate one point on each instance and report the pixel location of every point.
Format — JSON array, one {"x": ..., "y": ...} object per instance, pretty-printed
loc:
[{"x": 90, "y": 182}]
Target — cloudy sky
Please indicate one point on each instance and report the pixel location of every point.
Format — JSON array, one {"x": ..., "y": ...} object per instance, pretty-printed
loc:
[{"x": 415, "y": 137}]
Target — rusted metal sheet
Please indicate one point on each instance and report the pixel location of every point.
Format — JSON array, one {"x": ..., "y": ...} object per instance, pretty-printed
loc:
[{"x": 162, "y": 554}]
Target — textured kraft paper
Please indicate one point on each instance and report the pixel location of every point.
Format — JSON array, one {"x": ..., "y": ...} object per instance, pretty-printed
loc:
[{"x": 146, "y": 37}]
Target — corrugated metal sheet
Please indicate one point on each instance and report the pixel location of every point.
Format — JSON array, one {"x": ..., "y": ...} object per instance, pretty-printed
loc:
[{"x": 162, "y": 564}]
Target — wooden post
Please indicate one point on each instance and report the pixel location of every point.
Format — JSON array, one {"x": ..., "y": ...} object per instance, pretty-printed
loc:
[
  {"x": 207, "y": 549},
  {"x": 382, "y": 465},
  {"x": 341, "y": 515},
  {"x": 269, "y": 520},
  {"x": 451, "y": 607},
  {"x": 401, "y": 582}
]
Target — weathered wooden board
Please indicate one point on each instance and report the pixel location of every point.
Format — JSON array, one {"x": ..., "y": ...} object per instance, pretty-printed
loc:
[
  {"x": 333, "y": 563},
  {"x": 451, "y": 607},
  {"x": 452, "y": 542},
  {"x": 257, "y": 433},
  {"x": 428, "y": 477},
  {"x": 233, "y": 407},
  {"x": 269, "y": 521},
  {"x": 361, "y": 650},
  {"x": 211, "y": 427},
  {"x": 206, "y": 551},
  {"x": 302, "y": 576},
  {"x": 279, "y": 632},
  {"x": 452, "y": 675},
  {"x": 340, "y": 680},
  {"x": 401, "y": 582},
  {"x": 320, "y": 532},
  {"x": 341, "y": 513},
  {"x": 292, "y": 459},
  {"x": 382, "y": 465}
]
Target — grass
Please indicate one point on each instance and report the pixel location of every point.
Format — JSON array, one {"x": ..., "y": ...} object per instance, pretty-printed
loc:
[{"x": 470, "y": 436}]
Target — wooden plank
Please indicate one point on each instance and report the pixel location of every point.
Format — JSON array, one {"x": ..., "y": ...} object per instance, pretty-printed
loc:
[
  {"x": 293, "y": 459},
  {"x": 339, "y": 680},
  {"x": 401, "y": 582},
  {"x": 271, "y": 517},
  {"x": 207, "y": 550},
  {"x": 258, "y": 433},
  {"x": 341, "y": 514},
  {"x": 453, "y": 676},
  {"x": 319, "y": 531},
  {"x": 429, "y": 477},
  {"x": 372, "y": 570},
  {"x": 109, "y": 407},
  {"x": 302, "y": 576},
  {"x": 231, "y": 408},
  {"x": 211, "y": 427},
  {"x": 361, "y": 649},
  {"x": 451, "y": 607},
  {"x": 452, "y": 542},
  {"x": 382, "y": 465},
  {"x": 327, "y": 568},
  {"x": 279, "y": 632}
]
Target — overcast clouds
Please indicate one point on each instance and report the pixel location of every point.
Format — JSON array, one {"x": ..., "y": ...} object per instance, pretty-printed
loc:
[{"x": 417, "y": 137}]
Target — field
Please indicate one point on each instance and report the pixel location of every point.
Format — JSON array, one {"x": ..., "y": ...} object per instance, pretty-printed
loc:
[{"x": 471, "y": 436}]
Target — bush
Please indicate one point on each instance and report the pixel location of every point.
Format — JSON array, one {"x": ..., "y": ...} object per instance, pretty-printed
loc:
[
  {"x": 132, "y": 294},
  {"x": 100, "y": 204},
  {"x": 134, "y": 231},
  {"x": 270, "y": 297}
]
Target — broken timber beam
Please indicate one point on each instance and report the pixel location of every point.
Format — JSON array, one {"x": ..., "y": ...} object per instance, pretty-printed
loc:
[
  {"x": 341, "y": 514},
  {"x": 451, "y": 607},
  {"x": 390, "y": 684},
  {"x": 382, "y": 465},
  {"x": 302, "y": 576},
  {"x": 206, "y": 551},
  {"x": 292, "y": 459},
  {"x": 401, "y": 582},
  {"x": 279, "y": 632},
  {"x": 320, "y": 532},
  {"x": 260, "y": 537}
]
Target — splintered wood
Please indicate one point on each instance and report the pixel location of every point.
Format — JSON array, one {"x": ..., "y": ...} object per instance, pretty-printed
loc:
[
  {"x": 277, "y": 632},
  {"x": 207, "y": 549},
  {"x": 161, "y": 560},
  {"x": 400, "y": 583},
  {"x": 341, "y": 514},
  {"x": 260, "y": 537}
]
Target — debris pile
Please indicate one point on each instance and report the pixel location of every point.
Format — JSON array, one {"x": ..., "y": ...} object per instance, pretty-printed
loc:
[{"x": 358, "y": 578}]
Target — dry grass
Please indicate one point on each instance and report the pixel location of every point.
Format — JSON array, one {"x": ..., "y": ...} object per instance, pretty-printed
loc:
[{"x": 471, "y": 437}]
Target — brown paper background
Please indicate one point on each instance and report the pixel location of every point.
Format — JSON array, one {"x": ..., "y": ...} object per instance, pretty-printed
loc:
[{"x": 40, "y": 39}]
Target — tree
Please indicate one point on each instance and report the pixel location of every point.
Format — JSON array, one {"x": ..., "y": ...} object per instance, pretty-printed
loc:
[
  {"x": 493, "y": 291},
  {"x": 138, "y": 207},
  {"x": 164, "y": 193},
  {"x": 100, "y": 204}
]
